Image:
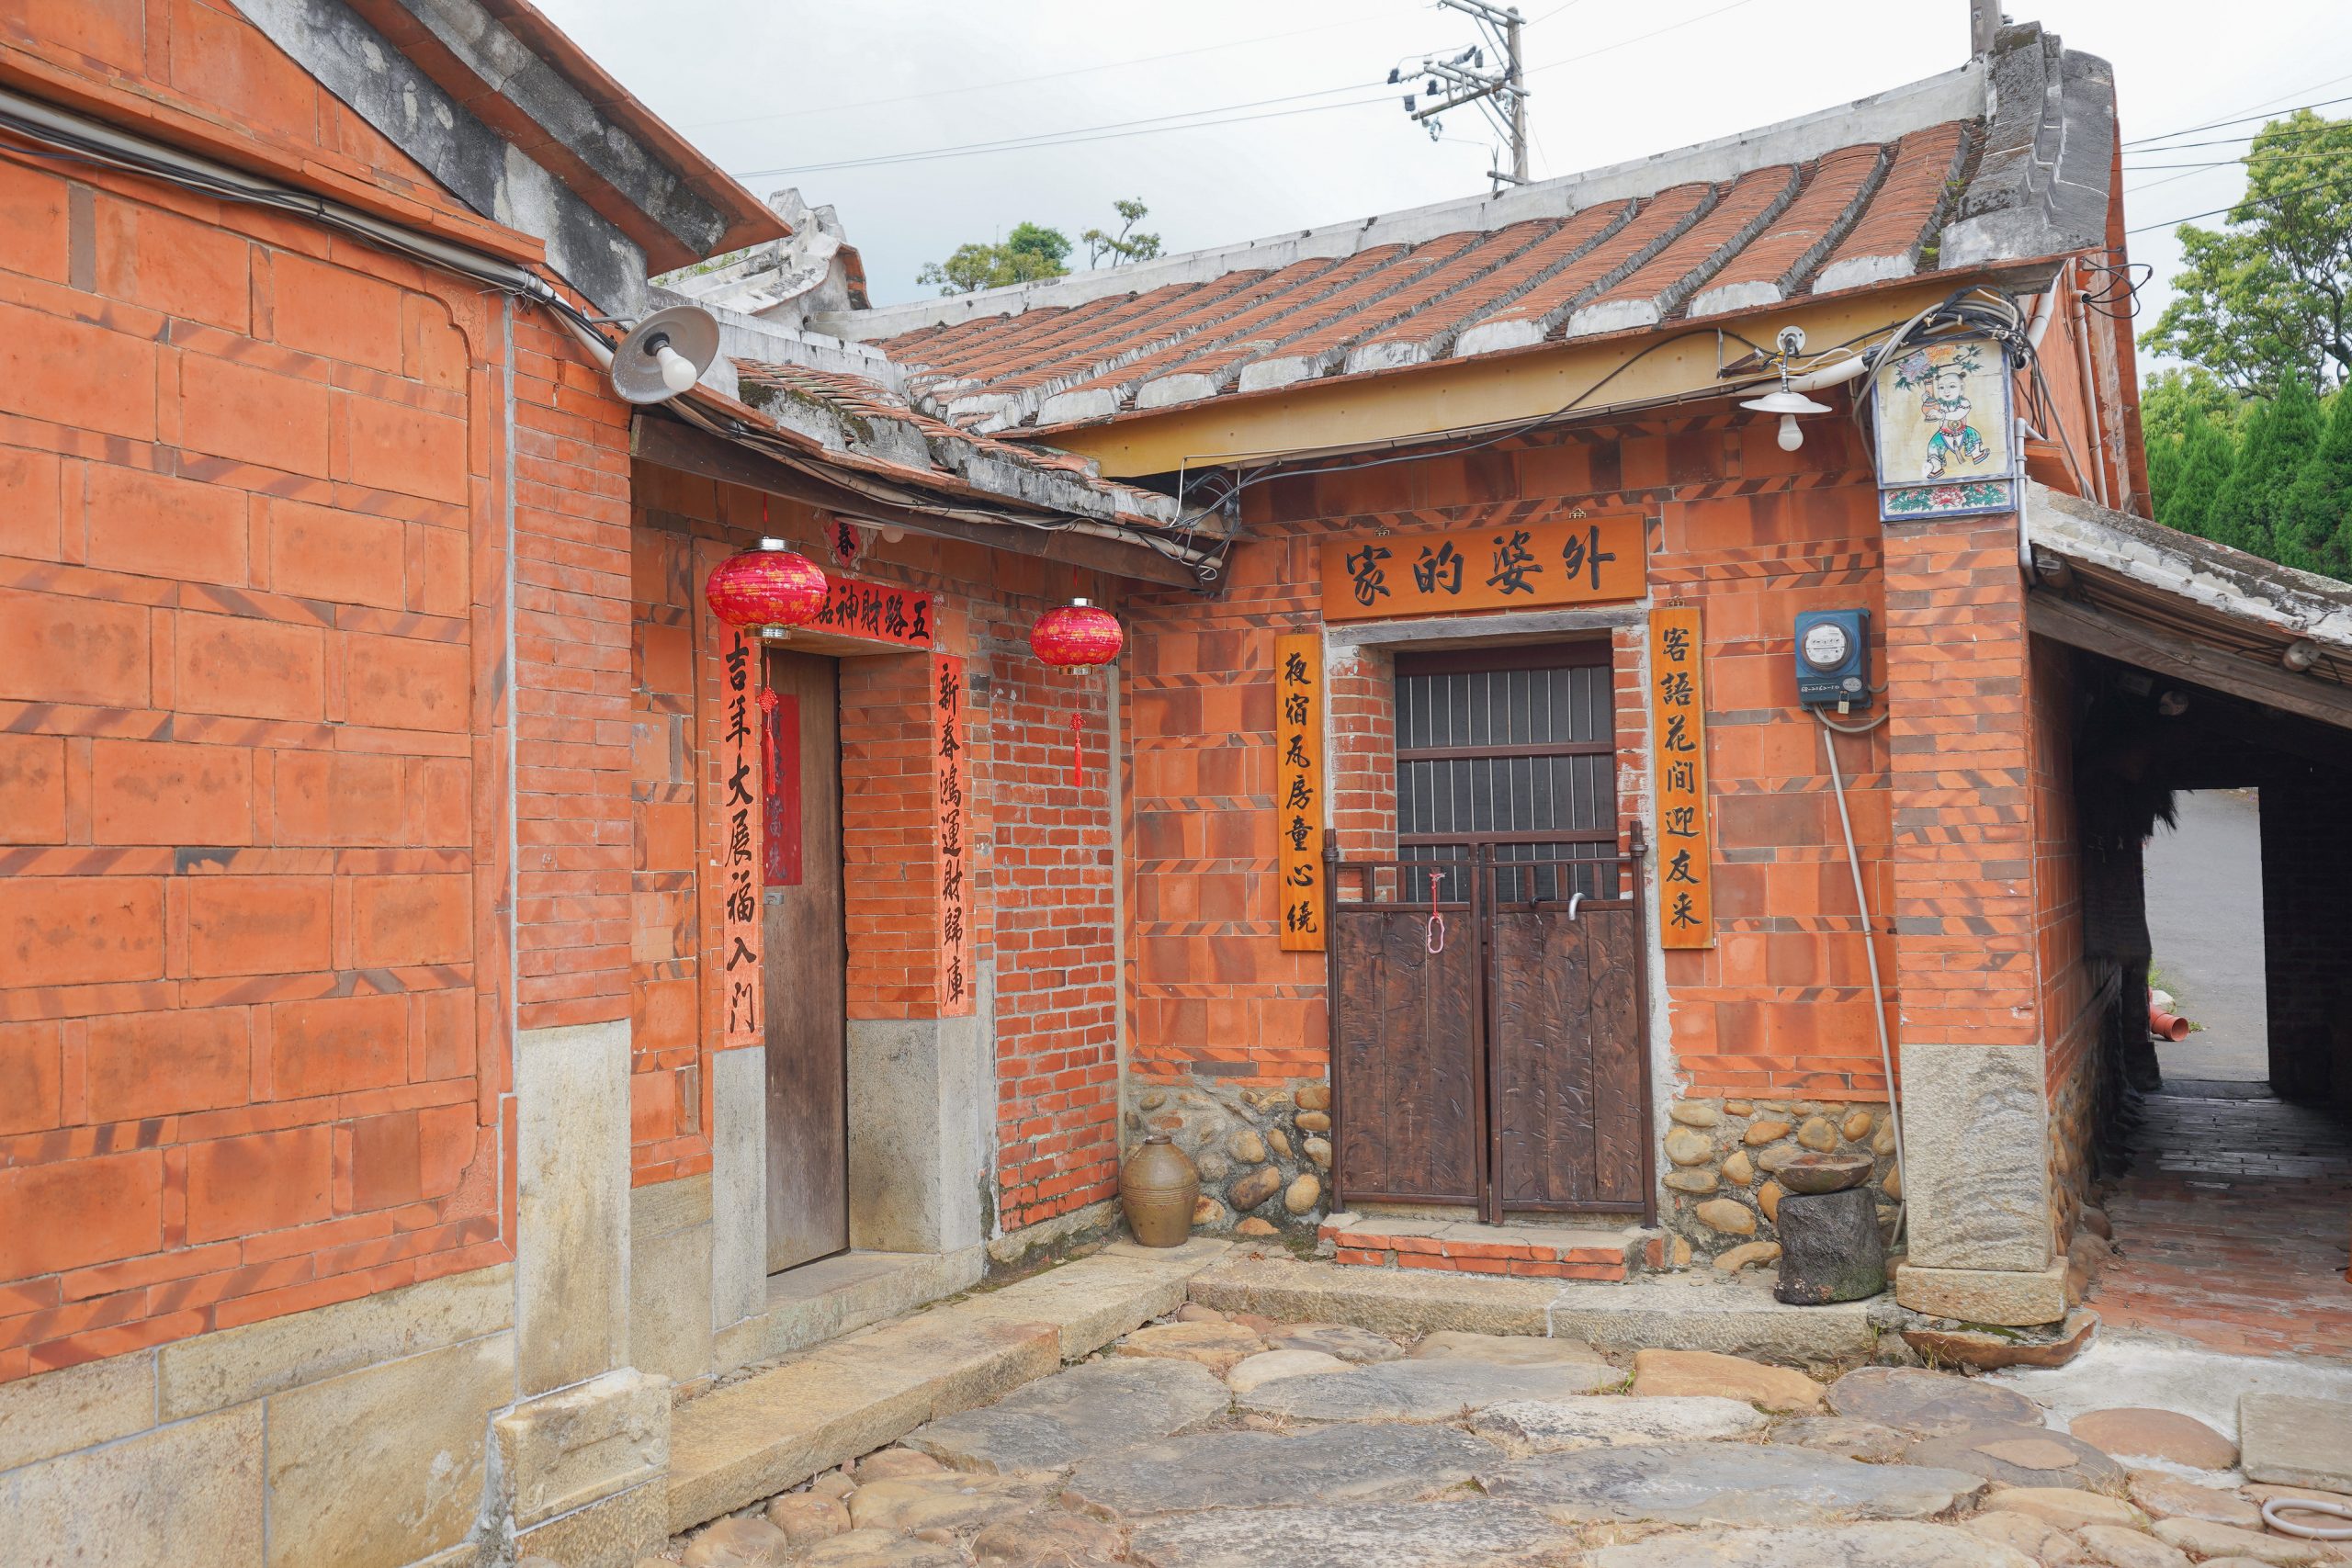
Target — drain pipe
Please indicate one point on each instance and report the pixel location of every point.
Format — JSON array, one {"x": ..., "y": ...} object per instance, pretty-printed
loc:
[{"x": 1870, "y": 947}]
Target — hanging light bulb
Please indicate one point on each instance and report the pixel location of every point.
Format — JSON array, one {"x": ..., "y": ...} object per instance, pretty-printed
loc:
[{"x": 1788, "y": 404}]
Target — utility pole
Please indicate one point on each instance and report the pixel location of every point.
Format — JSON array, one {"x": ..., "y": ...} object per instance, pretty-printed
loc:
[{"x": 1500, "y": 94}]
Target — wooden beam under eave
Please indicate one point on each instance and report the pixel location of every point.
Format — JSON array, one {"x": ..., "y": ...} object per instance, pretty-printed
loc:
[
  {"x": 2186, "y": 659},
  {"x": 668, "y": 443},
  {"x": 1448, "y": 395}
]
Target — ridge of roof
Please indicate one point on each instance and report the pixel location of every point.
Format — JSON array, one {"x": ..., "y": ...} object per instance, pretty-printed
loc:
[{"x": 1959, "y": 94}]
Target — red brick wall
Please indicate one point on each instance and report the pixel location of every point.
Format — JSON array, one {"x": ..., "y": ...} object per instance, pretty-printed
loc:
[
  {"x": 251, "y": 588},
  {"x": 1040, "y": 903},
  {"x": 1781, "y": 1004}
]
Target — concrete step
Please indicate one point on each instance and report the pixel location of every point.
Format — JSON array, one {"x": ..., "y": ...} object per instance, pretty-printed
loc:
[
  {"x": 833, "y": 1296},
  {"x": 1681, "y": 1312},
  {"x": 1471, "y": 1247},
  {"x": 748, "y": 1440}
]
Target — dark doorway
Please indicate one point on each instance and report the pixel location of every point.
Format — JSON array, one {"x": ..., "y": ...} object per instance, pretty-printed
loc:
[{"x": 806, "y": 963}]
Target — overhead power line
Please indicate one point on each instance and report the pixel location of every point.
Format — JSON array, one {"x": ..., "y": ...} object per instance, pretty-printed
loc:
[
  {"x": 2243, "y": 119},
  {"x": 1042, "y": 140},
  {"x": 2218, "y": 212},
  {"x": 1641, "y": 38},
  {"x": 994, "y": 84}
]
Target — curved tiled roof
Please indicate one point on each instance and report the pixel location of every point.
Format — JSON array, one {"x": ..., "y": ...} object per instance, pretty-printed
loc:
[{"x": 1856, "y": 215}]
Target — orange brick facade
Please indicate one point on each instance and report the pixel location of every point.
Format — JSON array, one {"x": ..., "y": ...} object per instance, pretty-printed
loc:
[
  {"x": 254, "y": 1002},
  {"x": 1781, "y": 1004}
]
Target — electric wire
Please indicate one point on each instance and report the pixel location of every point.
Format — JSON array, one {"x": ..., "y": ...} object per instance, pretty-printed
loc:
[
  {"x": 2243, "y": 119},
  {"x": 1150, "y": 125},
  {"x": 2320, "y": 188},
  {"x": 997, "y": 82}
]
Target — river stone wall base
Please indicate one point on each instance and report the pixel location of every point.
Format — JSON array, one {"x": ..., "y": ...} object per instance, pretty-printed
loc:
[
  {"x": 1264, "y": 1155},
  {"x": 1720, "y": 1156},
  {"x": 2007, "y": 1299}
]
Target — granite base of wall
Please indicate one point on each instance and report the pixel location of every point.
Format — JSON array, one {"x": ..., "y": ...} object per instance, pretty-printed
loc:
[
  {"x": 2074, "y": 1124},
  {"x": 1264, "y": 1154},
  {"x": 1720, "y": 1157}
]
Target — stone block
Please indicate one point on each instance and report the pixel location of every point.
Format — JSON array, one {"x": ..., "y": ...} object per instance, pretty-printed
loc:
[
  {"x": 565, "y": 1451},
  {"x": 838, "y": 1295},
  {"x": 738, "y": 1185},
  {"x": 918, "y": 1163},
  {"x": 571, "y": 1202},
  {"x": 669, "y": 1284},
  {"x": 188, "y": 1494},
  {"x": 2010, "y": 1299},
  {"x": 664, "y": 1206},
  {"x": 2296, "y": 1441},
  {"x": 1976, "y": 1147},
  {"x": 237, "y": 1364},
  {"x": 76, "y": 1407},
  {"x": 617, "y": 1532},
  {"x": 378, "y": 1468}
]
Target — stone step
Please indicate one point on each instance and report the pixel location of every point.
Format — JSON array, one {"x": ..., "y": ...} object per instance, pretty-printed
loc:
[
  {"x": 1682, "y": 1312},
  {"x": 748, "y": 1440},
  {"x": 1469, "y": 1247},
  {"x": 1739, "y": 1316}
]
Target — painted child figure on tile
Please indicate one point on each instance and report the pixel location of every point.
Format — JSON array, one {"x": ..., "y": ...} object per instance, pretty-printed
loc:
[{"x": 1943, "y": 402}]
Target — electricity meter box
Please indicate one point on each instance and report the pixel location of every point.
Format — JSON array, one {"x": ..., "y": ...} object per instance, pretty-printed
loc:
[{"x": 1834, "y": 658}]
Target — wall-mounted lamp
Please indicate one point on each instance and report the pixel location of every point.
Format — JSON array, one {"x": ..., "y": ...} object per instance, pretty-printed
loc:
[
  {"x": 665, "y": 354},
  {"x": 1786, "y": 400},
  {"x": 2301, "y": 655}
]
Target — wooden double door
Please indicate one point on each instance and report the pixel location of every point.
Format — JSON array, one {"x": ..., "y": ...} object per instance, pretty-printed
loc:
[
  {"x": 1486, "y": 985},
  {"x": 805, "y": 963}
]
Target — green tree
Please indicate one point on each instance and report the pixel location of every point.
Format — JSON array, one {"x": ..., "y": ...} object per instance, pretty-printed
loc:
[
  {"x": 2207, "y": 456},
  {"x": 2316, "y": 526},
  {"x": 2267, "y": 299},
  {"x": 2278, "y": 437},
  {"x": 1029, "y": 252},
  {"x": 1125, "y": 245},
  {"x": 2167, "y": 402}
]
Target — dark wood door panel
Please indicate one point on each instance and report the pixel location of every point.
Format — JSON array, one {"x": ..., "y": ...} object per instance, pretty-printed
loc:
[
  {"x": 1405, "y": 1059},
  {"x": 805, "y": 967}
]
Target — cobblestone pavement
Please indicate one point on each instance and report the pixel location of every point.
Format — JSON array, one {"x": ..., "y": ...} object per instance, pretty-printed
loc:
[
  {"x": 1216, "y": 1442},
  {"x": 2233, "y": 1226}
]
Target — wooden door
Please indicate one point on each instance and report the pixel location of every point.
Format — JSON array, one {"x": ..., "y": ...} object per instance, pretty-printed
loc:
[
  {"x": 805, "y": 961},
  {"x": 1486, "y": 1001}
]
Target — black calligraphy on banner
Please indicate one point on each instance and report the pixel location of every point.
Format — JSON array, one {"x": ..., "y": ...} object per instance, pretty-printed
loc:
[
  {"x": 954, "y": 835},
  {"x": 1678, "y": 731},
  {"x": 1526, "y": 563},
  {"x": 875, "y": 610},
  {"x": 739, "y": 802},
  {"x": 1299, "y": 788}
]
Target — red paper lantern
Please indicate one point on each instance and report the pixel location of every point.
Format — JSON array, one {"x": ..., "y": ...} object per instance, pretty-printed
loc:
[
  {"x": 771, "y": 589},
  {"x": 1077, "y": 635}
]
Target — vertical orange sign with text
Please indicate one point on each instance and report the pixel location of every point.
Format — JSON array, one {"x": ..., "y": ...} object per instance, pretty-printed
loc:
[
  {"x": 1679, "y": 739},
  {"x": 1298, "y": 787}
]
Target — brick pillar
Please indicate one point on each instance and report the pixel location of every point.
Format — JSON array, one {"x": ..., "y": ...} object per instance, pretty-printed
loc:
[{"x": 1976, "y": 1111}]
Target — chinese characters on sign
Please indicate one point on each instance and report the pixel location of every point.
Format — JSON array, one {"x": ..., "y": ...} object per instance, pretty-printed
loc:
[
  {"x": 871, "y": 609},
  {"x": 1573, "y": 560},
  {"x": 1298, "y": 787},
  {"x": 1677, "y": 731},
  {"x": 739, "y": 722},
  {"x": 954, "y": 836}
]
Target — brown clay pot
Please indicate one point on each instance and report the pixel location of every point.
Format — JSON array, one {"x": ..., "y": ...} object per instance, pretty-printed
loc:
[{"x": 1157, "y": 1188}]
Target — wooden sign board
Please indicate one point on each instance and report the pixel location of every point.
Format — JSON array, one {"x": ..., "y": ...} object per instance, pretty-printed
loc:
[
  {"x": 1679, "y": 742},
  {"x": 875, "y": 611},
  {"x": 1298, "y": 787},
  {"x": 1568, "y": 561}
]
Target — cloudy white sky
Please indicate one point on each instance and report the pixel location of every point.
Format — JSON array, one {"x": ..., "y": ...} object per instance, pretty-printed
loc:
[{"x": 778, "y": 90}]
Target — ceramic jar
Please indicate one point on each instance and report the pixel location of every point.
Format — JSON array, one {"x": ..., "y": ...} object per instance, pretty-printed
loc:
[{"x": 1158, "y": 1187}]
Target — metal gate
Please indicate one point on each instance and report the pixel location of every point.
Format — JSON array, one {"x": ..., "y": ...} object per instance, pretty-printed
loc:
[{"x": 1487, "y": 1041}]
